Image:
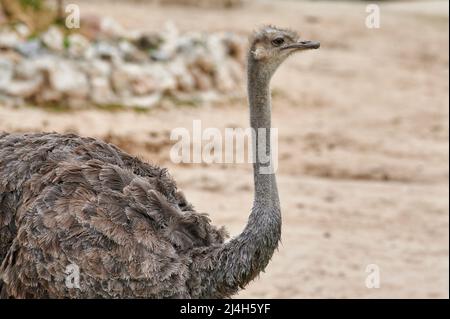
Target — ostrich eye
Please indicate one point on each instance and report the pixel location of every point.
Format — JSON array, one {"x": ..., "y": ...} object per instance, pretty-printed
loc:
[{"x": 277, "y": 41}]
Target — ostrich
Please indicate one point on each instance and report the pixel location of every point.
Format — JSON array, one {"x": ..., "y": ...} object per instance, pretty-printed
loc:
[{"x": 73, "y": 201}]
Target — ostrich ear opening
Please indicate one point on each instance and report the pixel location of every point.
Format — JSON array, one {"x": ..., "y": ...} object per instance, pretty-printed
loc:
[{"x": 259, "y": 53}]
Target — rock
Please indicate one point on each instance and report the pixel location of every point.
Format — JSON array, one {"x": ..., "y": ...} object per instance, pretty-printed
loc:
[
  {"x": 25, "y": 89},
  {"x": 165, "y": 81},
  {"x": 120, "y": 67},
  {"x": 142, "y": 101},
  {"x": 208, "y": 97},
  {"x": 96, "y": 68},
  {"x": 216, "y": 48},
  {"x": 236, "y": 70},
  {"x": 9, "y": 39},
  {"x": 202, "y": 81},
  {"x": 223, "y": 80},
  {"x": 133, "y": 79},
  {"x": 78, "y": 45},
  {"x": 64, "y": 82},
  {"x": 169, "y": 43},
  {"x": 223, "y": 54},
  {"x": 65, "y": 78},
  {"x": 143, "y": 84},
  {"x": 10, "y": 101},
  {"x": 132, "y": 35},
  {"x": 39, "y": 64},
  {"x": 101, "y": 92},
  {"x": 6, "y": 72},
  {"x": 22, "y": 80},
  {"x": 160, "y": 55},
  {"x": 22, "y": 30},
  {"x": 184, "y": 80},
  {"x": 205, "y": 62},
  {"x": 105, "y": 51},
  {"x": 27, "y": 69},
  {"x": 48, "y": 95},
  {"x": 53, "y": 39},
  {"x": 235, "y": 46},
  {"x": 31, "y": 48},
  {"x": 121, "y": 77},
  {"x": 130, "y": 53},
  {"x": 62, "y": 79},
  {"x": 99, "y": 73}
]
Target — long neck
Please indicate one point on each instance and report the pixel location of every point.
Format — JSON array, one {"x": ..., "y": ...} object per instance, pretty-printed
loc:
[
  {"x": 266, "y": 193},
  {"x": 237, "y": 262}
]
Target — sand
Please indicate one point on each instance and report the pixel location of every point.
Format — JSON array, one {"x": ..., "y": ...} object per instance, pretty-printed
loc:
[{"x": 363, "y": 140}]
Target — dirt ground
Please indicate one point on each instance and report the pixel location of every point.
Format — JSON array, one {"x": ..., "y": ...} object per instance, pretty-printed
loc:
[{"x": 363, "y": 141}]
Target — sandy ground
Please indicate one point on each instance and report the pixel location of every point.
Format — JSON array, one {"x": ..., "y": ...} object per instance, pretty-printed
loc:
[{"x": 364, "y": 132}]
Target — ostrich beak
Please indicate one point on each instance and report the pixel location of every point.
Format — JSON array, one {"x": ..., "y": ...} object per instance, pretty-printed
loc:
[{"x": 303, "y": 45}]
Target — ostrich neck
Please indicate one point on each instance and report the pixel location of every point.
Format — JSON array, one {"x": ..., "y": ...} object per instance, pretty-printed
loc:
[
  {"x": 259, "y": 97},
  {"x": 234, "y": 264}
]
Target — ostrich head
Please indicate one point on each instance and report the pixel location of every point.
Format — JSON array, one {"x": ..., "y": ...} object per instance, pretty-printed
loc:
[{"x": 270, "y": 46}]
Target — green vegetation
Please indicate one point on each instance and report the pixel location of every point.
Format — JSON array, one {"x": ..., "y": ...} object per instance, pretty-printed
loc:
[{"x": 36, "y": 5}]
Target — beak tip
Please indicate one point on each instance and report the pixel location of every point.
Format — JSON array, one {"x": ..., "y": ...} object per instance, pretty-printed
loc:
[{"x": 315, "y": 45}]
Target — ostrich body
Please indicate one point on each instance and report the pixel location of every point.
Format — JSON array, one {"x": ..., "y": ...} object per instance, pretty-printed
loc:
[{"x": 68, "y": 200}]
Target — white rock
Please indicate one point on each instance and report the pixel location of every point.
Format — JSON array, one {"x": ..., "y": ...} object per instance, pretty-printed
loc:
[
  {"x": 142, "y": 101},
  {"x": 184, "y": 80},
  {"x": 97, "y": 68},
  {"x": 101, "y": 92},
  {"x": 223, "y": 80},
  {"x": 202, "y": 81},
  {"x": 41, "y": 64},
  {"x": 10, "y": 101},
  {"x": 48, "y": 95},
  {"x": 236, "y": 46},
  {"x": 26, "y": 88},
  {"x": 143, "y": 85},
  {"x": 67, "y": 79},
  {"x": 28, "y": 69},
  {"x": 169, "y": 46},
  {"x": 121, "y": 77},
  {"x": 90, "y": 53},
  {"x": 78, "y": 45},
  {"x": 53, "y": 39},
  {"x": 23, "y": 30},
  {"x": 106, "y": 51},
  {"x": 208, "y": 97},
  {"x": 133, "y": 79},
  {"x": 216, "y": 48},
  {"x": 117, "y": 71},
  {"x": 31, "y": 48},
  {"x": 9, "y": 39},
  {"x": 161, "y": 76},
  {"x": 130, "y": 53},
  {"x": 6, "y": 72},
  {"x": 26, "y": 81},
  {"x": 236, "y": 70}
]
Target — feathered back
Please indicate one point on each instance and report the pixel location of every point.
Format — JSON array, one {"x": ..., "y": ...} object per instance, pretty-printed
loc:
[{"x": 63, "y": 197}]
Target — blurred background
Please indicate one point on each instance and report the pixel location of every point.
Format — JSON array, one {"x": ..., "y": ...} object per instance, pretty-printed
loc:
[{"x": 363, "y": 122}]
